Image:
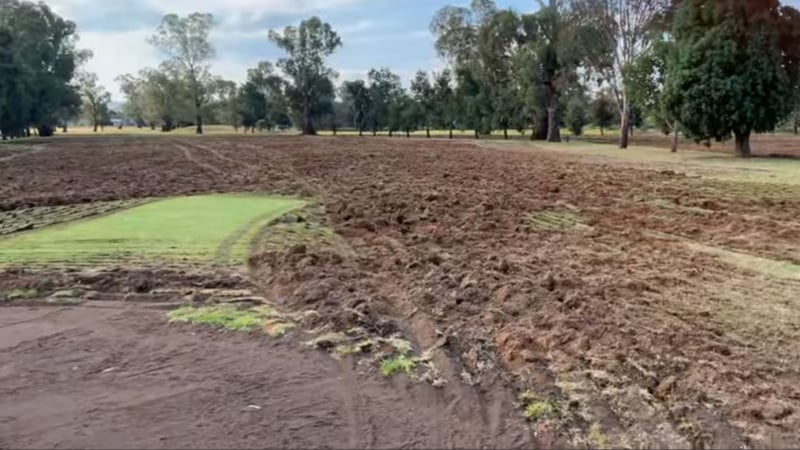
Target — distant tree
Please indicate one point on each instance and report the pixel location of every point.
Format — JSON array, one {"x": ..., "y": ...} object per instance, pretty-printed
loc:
[
  {"x": 576, "y": 114},
  {"x": 252, "y": 106},
  {"x": 133, "y": 88},
  {"x": 423, "y": 96},
  {"x": 307, "y": 46},
  {"x": 384, "y": 87},
  {"x": 226, "y": 103},
  {"x": 736, "y": 70},
  {"x": 474, "y": 99},
  {"x": 95, "y": 98},
  {"x": 186, "y": 41},
  {"x": 646, "y": 81},
  {"x": 445, "y": 103},
  {"x": 602, "y": 111},
  {"x": 618, "y": 31},
  {"x": 357, "y": 97}
]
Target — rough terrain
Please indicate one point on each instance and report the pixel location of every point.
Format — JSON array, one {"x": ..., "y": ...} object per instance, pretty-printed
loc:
[{"x": 596, "y": 289}]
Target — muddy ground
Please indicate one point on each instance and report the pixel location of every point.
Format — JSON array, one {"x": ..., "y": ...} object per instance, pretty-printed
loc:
[{"x": 575, "y": 282}]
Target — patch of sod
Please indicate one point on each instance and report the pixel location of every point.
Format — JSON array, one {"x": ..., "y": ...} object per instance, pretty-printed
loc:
[
  {"x": 232, "y": 318},
  {"x": 205, "y": 229}
]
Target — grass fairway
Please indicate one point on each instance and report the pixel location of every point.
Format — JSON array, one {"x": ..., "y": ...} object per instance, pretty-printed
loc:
[{"x": 199, "y": 230}]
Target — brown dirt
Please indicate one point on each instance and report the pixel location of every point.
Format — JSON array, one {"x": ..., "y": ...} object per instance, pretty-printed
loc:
[
  {"x": 111, "y": 375},
  {"x": 640, "y": 340}
]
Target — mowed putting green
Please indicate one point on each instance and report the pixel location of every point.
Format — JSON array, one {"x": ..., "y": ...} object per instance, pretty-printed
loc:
[{"x": 198, "y": 230}]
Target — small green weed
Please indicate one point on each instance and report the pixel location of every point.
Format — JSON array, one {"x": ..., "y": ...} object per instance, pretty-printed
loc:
[{"x": 398, "y": 364}]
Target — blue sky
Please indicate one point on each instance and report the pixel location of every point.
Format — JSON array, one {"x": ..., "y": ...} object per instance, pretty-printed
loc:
[{"x": 376, "y": 33}]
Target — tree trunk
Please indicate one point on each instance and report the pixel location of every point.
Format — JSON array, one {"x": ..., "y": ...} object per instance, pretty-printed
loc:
[
  {"x": 199, "y": 129},
  {"x": 477, "y": 135},
  {"x": 743, "y": 144},
  {"x": 391, "y": 132},
  {"x": 374, "y": 132},
  {"x": 308, "y": 125},
  {"x": 675, "y": 135},
  {"x": 360, "y": 132},
  {"x": 334, "y": 129},
  {"x": 505, "y": 133},
  {"x": 44, "y": 131},
  {"x": 795, "y": 126},
  {"x": 427, "y": 131},
  {"x": 64, "y": 128},
  {"x": 95, "y": 126},
  {"x": 602, "y": 132},
  {"x": 451, "y": 131},
  {"x": 408, "y": 133},
  {"x": 625, "y": 126},
  {"x": 540, "y": 128},
  {"x": 553, "y": 127}
]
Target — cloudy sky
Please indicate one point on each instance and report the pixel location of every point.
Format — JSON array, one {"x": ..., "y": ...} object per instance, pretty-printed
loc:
[{"x": 376, "y": 33}]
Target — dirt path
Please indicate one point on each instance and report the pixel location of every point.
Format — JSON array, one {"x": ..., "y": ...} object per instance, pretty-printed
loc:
[{"x": 109, "y": 374}]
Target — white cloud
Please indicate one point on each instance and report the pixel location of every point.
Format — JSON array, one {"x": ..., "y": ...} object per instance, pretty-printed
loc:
[{"x": 244, "y": 11}]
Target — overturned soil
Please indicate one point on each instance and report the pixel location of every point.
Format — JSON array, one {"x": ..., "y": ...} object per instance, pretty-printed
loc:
[{"x": 533, "y": 272}]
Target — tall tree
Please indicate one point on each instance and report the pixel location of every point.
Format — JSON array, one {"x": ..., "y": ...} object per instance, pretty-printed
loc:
[
  {"x": 620, "y": 31},
  {"x": 14, "y": 97},
  {"x": 463, "y": 38},
  {"x": 45, "y": 47},
  {"x": 307, "y": 46},
  {"x": 422, "y": 94},
  {"x": 95, "y": 98},
  {"x": 186, "y": 41},
  {"x": 357, "y": 96},
  {"x": 736, "y": 70}
]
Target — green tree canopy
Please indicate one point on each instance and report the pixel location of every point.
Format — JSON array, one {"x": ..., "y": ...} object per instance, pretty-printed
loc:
[
  {"x": 736, "y": 69},
  {"x": 186, "y": 41},
  {"x": 307, "y": 46}
]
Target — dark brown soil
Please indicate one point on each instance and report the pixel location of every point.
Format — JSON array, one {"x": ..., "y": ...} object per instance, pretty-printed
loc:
[
  {"x": 640, "y": 340},
  {"x": 115, "y": 375}
]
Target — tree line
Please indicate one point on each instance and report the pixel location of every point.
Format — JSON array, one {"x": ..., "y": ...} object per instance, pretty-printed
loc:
[{"x": 710, "y": 69}]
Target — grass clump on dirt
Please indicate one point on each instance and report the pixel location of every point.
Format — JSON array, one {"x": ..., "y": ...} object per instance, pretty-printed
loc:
[
  {"x": 536, "y": 408},
  {"x": 21, "y": 294},
  {"x": 553, "y": 221},
  {"x": 230, "y": 317},
  {"x": 398, "y": 364},
  {"x": 199, "y": 230}
]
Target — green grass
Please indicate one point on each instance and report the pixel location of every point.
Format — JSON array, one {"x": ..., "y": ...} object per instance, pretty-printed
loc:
[
  {"x": 224, "y": 316},
  {"x": 199, "y": 230},
  {"x": 398, "y": 364},
  {"x": 232, "y": 318},
  {"x": 536, "y": 408}
]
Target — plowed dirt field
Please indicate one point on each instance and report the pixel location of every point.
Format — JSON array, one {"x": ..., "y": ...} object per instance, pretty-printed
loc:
[{"x": 612, "y": 305}]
